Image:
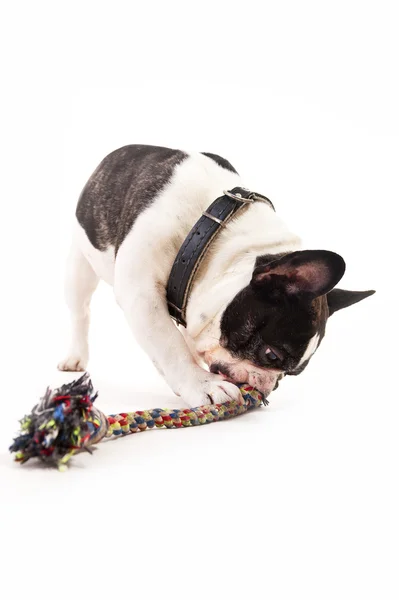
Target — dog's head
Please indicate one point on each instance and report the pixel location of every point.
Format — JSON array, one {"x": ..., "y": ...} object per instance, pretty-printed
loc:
[{"x": 275, "y": 324}]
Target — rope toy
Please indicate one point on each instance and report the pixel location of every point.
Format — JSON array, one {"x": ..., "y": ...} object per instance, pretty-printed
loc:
[{"x": 65, "y": 421}]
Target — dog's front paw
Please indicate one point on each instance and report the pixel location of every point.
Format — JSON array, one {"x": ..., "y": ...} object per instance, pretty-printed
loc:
[
  {"x": 208, "y": 389},
  {"x": 73, "y": 363}
]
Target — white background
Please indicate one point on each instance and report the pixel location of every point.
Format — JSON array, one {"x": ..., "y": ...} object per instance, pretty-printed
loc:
[{"x": 295, "y": 501}]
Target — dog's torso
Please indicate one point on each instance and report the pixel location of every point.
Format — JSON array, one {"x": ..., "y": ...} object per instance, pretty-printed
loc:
[
  {"x": 258, "y": 305},
  {"x": 140, "y": 204}
]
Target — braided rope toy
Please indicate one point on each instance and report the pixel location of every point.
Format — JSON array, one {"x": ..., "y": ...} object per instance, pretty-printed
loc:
[{"x": 65, "y": 421}]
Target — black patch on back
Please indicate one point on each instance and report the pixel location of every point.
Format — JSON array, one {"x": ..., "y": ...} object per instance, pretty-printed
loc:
[
  {"x": 222, "y": 162},
  {"x": 123, "y": 185}
]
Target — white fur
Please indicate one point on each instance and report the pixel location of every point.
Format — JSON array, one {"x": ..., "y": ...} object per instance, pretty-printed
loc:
[
  {"x": 80, "y": 283},
  {"x": 140, "y": 274},
  {"x": 310, "y": 350}
]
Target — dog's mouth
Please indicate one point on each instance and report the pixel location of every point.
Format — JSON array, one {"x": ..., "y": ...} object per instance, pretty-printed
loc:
[{"x": 264, "y": 383}]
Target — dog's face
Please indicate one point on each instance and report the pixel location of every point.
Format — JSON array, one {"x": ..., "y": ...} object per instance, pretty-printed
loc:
[{"x": 275, "y": 324}]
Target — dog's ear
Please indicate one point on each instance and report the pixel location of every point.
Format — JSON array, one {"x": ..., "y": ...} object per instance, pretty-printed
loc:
[
  {"x": 309, "y": 273},
  {"x": 338, "y": 299}
]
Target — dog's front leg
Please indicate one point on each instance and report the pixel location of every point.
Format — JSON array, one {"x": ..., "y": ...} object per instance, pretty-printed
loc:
[{"x": 145, "y": 308}]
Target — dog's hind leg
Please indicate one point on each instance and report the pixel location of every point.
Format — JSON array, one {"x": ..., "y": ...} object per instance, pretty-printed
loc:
[{"x": 80, "y": 283}]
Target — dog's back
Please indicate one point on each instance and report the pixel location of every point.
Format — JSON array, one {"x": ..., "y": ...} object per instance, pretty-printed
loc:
[{"x": 123, "y": 185}]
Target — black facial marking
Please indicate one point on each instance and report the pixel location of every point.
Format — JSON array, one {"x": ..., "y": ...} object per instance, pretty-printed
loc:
[
  {"x": 252, "y": 324},
  {"x": 271, "y": 321},
  {"x": 222, "y": 162},
  {"x": 298, "y": 370},
  {"x": 271, "y": 328},
  {"x": 122, "y": 186}
]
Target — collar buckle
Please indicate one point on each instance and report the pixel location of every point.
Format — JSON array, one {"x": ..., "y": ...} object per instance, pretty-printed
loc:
[{"x": 239, "y": 198}]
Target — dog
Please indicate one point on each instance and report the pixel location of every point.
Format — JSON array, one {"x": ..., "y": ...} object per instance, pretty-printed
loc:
[{"x": 258, "y": 304}]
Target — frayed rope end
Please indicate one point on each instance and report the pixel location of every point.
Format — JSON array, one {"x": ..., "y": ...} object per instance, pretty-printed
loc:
[{"x": 60, "y": 425}]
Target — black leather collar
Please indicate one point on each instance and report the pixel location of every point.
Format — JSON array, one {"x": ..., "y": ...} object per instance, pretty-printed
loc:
[{"x": 197, "y": 243}]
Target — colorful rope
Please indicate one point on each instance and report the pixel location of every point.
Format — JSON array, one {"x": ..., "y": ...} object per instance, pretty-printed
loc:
[
  {"x": 133, "y": 422},
  {"x": 66, "y": 421}
]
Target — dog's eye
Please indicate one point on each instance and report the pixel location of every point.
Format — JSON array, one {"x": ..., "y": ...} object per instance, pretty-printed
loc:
[{"x": 271, "y": 355}]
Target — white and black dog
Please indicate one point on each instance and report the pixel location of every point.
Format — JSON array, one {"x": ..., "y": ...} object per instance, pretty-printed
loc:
[{"x": 258, "y": 305}]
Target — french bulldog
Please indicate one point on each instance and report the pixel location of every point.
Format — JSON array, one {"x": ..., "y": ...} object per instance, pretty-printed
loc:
[{"x": 258, "y": 306}]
